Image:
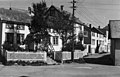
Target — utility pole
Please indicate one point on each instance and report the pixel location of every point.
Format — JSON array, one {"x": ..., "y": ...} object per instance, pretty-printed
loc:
[{"x": 73, "y": 20}]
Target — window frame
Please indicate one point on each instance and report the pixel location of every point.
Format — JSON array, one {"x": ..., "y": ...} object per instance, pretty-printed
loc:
[
  {"x": 20, "y": 27},
  {"x": 55, "y": 40},
  {"x": 9, "y": 26},
  {"x": 93, "y": 34},
  {"x": 85, "y": 33},
  {"x": 93, "y": 40}
]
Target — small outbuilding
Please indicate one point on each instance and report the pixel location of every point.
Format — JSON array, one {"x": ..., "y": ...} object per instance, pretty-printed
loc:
[{"x": 114, "y": 35}]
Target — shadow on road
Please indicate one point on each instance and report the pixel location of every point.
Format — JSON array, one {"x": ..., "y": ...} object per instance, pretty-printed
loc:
[
  {"x": 23, "y": 76},
  {"x": 104, "y": 60}
]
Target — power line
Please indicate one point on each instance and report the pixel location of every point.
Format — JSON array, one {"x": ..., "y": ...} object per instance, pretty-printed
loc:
[
  {"x": 93, "y": 16},
  {"x": 73, "y": 19},
  {"x": 88, "y": 6},
  {"x": 90, "y": 18},
  {"x": 87, "y": 17},
  {"x": 99, "y": 8},
  {"x": 91, "y": 3}
]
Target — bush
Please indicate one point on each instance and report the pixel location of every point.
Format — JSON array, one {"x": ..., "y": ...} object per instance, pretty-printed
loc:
[
  {"x": 80, "y": 46},
  {"x": 68, "y": 47},
  {"x": 77, "y": 46},
  {"x": 12, "y": 47}
]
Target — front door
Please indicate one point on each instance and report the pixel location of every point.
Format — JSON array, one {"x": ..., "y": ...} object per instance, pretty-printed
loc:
[{"x": 97, "y": 47}]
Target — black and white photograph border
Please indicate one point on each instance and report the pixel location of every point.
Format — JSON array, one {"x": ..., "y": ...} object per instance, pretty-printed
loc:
[{"x": 59, "y": 38}]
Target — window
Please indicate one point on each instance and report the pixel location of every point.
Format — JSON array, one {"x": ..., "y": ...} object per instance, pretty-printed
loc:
[
  {"x": 100, "y": 36},
  {"x": 93, "y": 41},
  {"x": 55, "y": 40},
  {"x": 9, "y": 26},
  {"x": 93, "y": 34},
  {"x": 10, "y": 38},
  {"x": 20, "y": 27},
  {"x": 54, "y": 31},
  {"x": 85, "y": 33},
  {"x": 20, "y": 38},
  {"x": 100, "y": 42},
  {"x": 49, "y": 30}
]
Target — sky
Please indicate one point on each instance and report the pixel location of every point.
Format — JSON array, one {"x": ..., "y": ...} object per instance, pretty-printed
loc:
[{"x": 95, "y": 12}]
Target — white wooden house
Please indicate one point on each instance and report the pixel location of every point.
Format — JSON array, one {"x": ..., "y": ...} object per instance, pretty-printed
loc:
[{"x": 97, "y": 40}]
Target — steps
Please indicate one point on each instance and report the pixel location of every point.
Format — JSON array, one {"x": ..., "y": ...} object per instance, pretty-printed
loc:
[{"x": 50, "y": 61}]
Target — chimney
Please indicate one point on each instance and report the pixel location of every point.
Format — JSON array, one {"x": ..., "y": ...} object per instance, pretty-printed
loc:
[
  {"x": 10, "y": 8},
  {"x": 90, "y": 26},
  {"x": 29, "y": 9},
  {"x": 83, "y": 23},
  {"x": 98, "y": 27},
  {"x": 62, "y": 7}
]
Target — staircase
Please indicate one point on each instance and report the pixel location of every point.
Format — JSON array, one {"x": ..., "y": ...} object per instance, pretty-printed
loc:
[{"x": 50, "y": 61}]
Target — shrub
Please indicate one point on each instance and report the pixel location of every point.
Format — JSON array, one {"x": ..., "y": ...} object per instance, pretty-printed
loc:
[
  {"x": 80, "y": 46},
  {"x": 12, "y": 47},
  {"x": 69, "y": 46}
]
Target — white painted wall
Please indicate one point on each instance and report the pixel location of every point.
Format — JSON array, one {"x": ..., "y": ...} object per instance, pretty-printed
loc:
[
  {"x": 77, "y": 30},
  {"x": 4, "y": 30},
  {"x": 93, "y": 47},
  {"x": 59, "y": 46},
  {"x": 100, "y": 37},
  {"x": 107, "y": 42},
  {"x": 26, "y": 31}
]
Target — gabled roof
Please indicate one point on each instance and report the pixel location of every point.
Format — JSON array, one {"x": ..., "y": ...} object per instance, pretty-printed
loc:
[
  {"x": 86, "y": 27},
  {"x": 14, "y": 15},
  {"x": 106, "y": 28},
  {"x": 103, "y": 31},
  {"x": 52, "y": 6},
  {"x": 96, "y": 30},
  {"x": 60, "y": 11},
  {"x": 78, "y": 21},
  {"x": 15, "y": 22}
]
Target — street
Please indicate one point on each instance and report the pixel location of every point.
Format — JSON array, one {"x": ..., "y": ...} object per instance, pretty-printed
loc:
[{"x": 62, "y": 70}]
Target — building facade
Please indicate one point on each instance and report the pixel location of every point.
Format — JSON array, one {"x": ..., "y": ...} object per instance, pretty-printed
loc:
[
  {"x": 97, "y": 39},
  {"x": 107, "y": 41},
  {"x": 13, "y": 32},
  {"x": 55, "y": 38},
  {"x": 114, "y": 36}
]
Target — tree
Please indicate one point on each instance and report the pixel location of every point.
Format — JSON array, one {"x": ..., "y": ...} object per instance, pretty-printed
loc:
[
  {"x": 39, "y": 26},
  {"x": 38, "y": 23},
  {"x": 62, "y": 25},
  {"x": 38, "y": 20}
]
